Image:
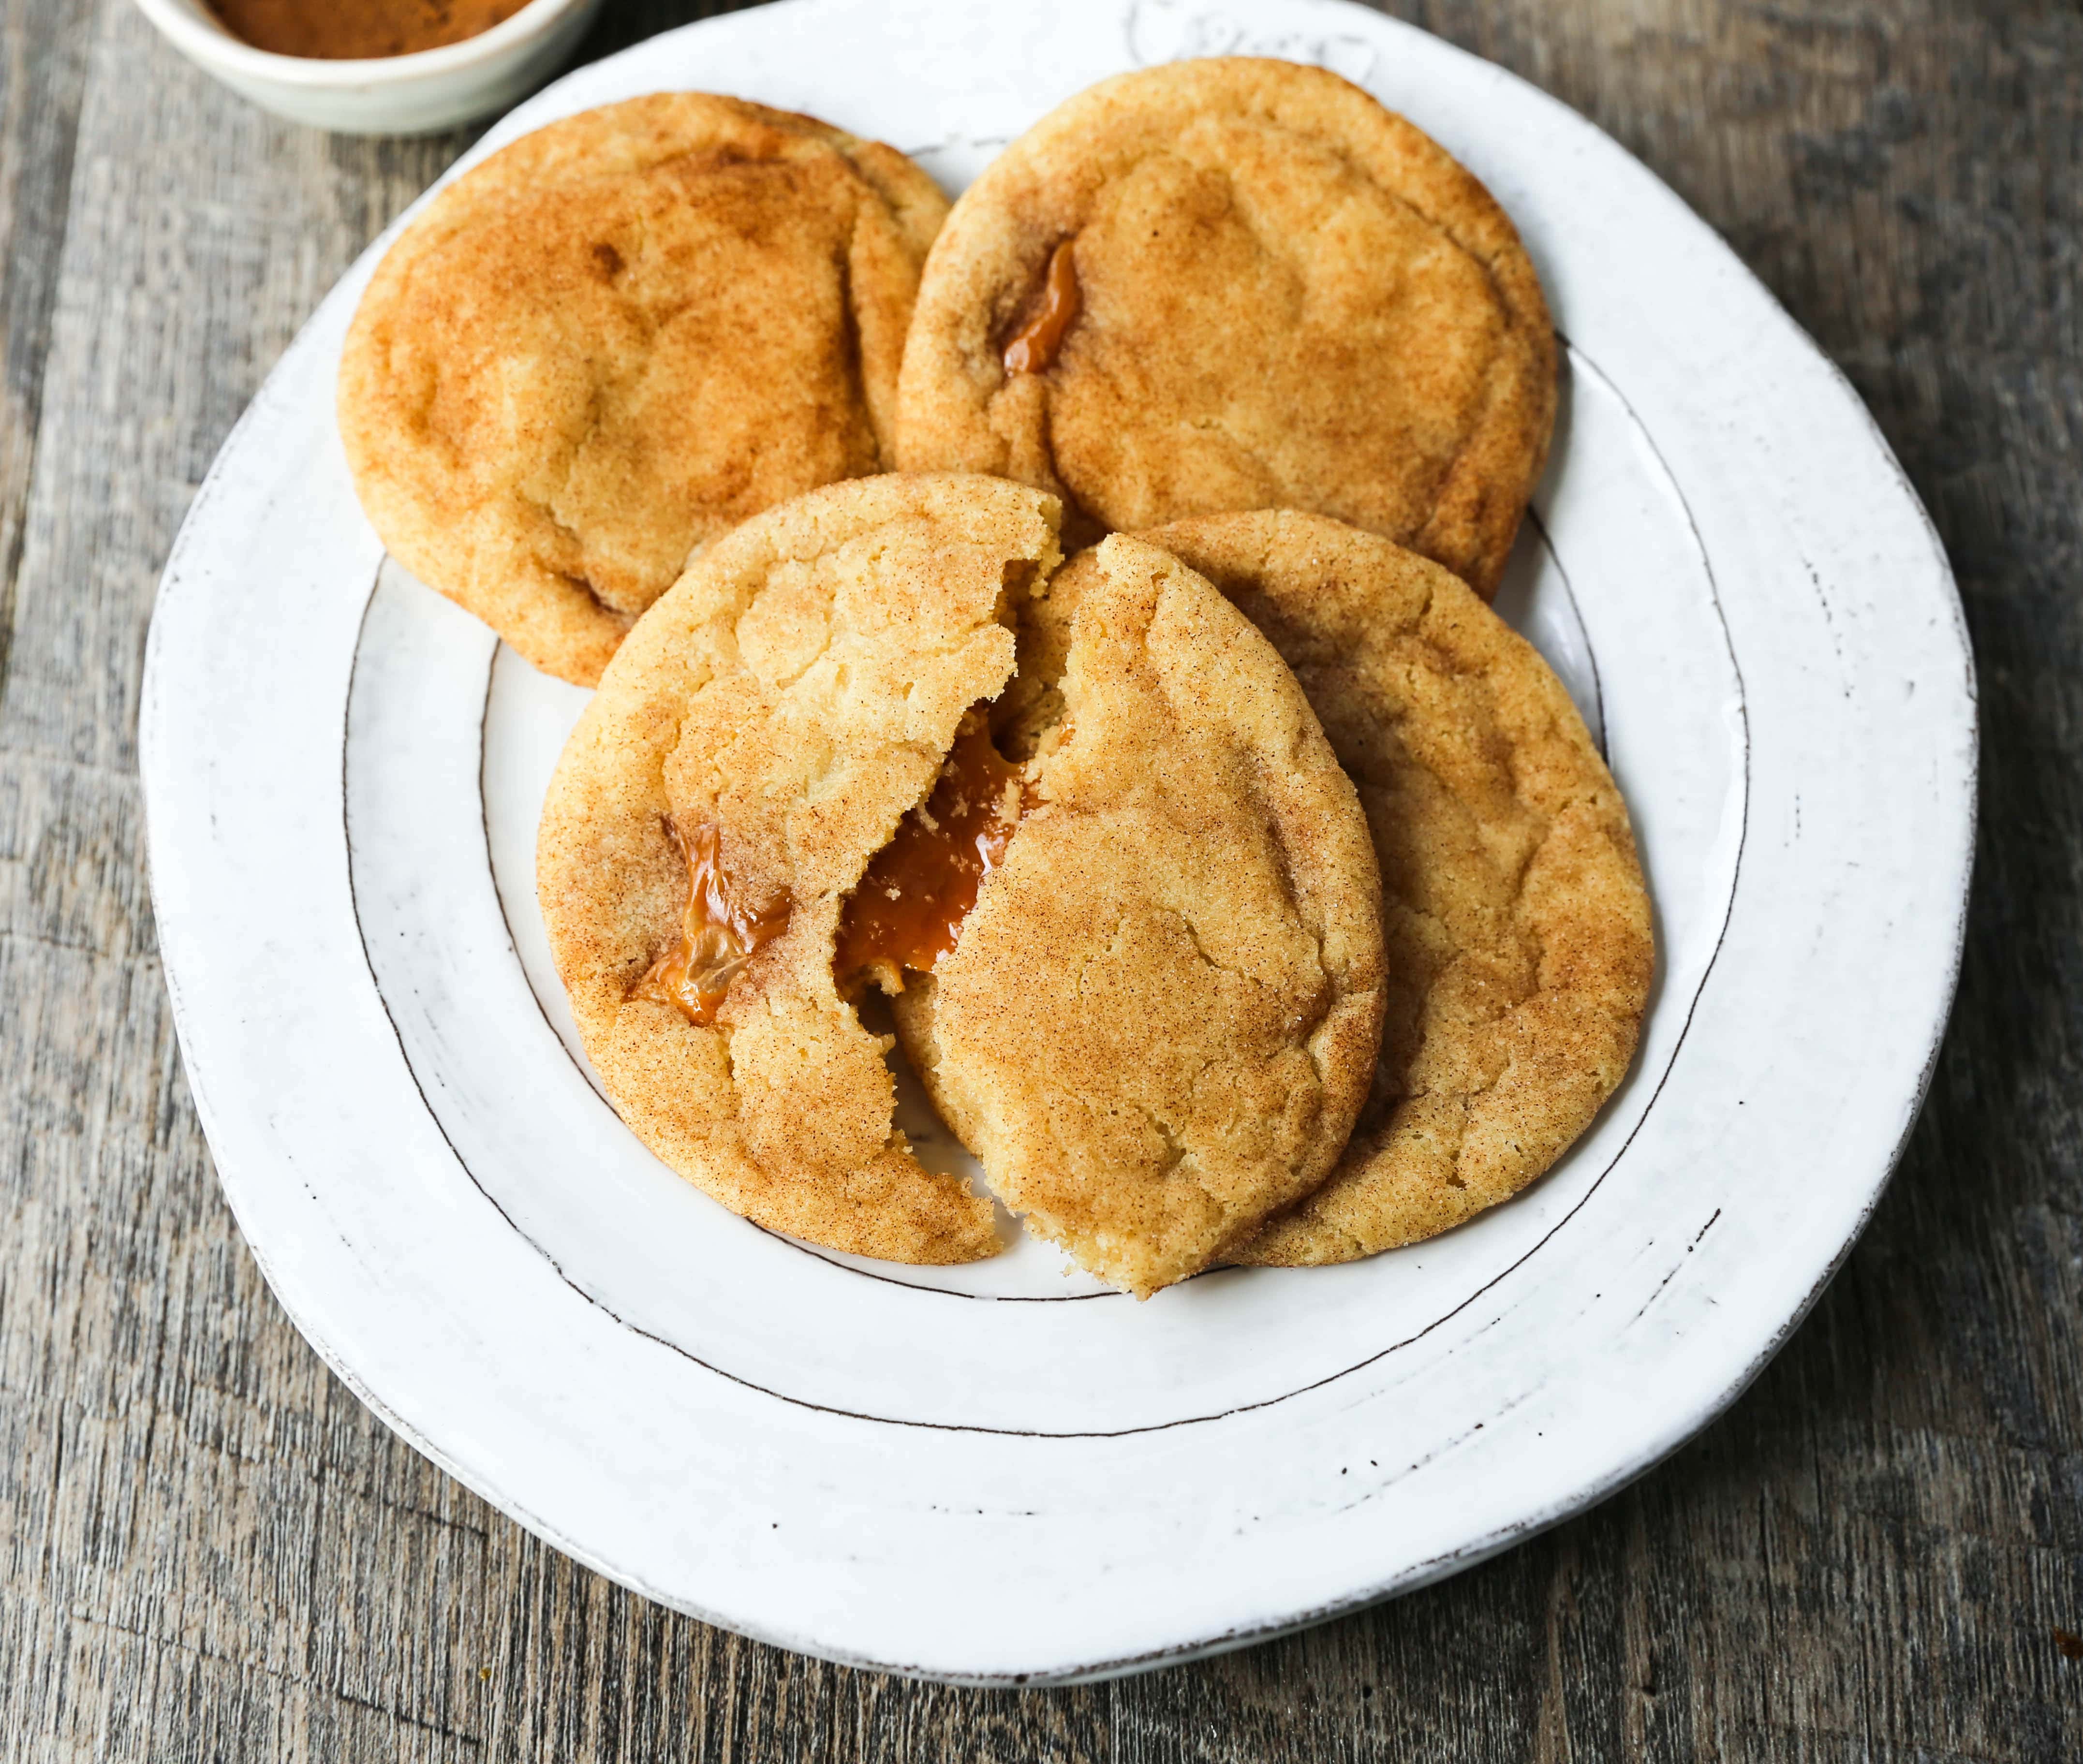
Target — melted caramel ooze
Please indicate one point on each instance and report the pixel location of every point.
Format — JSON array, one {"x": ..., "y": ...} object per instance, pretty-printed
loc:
[
  {"x": 719, "y": 931},
  {"x": 1034, "y": 346},
  {"x": 909, "y": 909}
]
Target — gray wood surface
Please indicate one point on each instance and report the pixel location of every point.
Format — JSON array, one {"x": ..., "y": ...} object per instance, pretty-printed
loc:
[{"x": 209, "y": 1550}]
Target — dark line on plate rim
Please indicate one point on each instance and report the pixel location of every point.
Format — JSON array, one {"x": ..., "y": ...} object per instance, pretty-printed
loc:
[
  {"x": 492, "y": 870},
  {"x": 1590, "y": 649}
]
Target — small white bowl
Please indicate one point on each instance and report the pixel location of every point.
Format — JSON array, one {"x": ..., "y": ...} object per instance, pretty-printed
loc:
[{"x": 392, "y": 95}]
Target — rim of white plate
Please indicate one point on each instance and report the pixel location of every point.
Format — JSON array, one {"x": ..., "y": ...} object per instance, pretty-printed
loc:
[{"x": 1925, "y": 995}]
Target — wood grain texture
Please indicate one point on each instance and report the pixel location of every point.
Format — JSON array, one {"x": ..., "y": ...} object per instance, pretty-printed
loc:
[{"x": 209, "y": 1550}]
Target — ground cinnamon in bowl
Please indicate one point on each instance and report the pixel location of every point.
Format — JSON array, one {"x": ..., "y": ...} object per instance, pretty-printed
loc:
[{"x": 359, "y": 30}]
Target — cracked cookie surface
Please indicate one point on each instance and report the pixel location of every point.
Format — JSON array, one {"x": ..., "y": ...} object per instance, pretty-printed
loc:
[
  {"x": 615, "y": 339},
  {"x": 778, "y": 712},
  {"x": 1161, "y": 1015},
  {"x": 1519, "y": 931},
  {"x": 1234, "y": 283}
]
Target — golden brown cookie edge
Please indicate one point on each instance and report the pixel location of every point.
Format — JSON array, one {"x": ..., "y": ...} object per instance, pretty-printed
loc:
[{"x": 1330, "y": 1226}]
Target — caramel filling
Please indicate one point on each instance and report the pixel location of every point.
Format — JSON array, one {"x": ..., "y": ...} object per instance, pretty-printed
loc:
[
  {"x": 909, "y": 909},
  {"x": 1034, "y": 346},
  {"x": 718, "y": 932}
]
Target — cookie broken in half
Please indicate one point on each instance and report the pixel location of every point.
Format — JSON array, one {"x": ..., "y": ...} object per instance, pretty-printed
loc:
[
  {"x": 1131, "y": 921},
  {"x": 754, "y": 744},
  {"x": 1160, "y": 1019}
]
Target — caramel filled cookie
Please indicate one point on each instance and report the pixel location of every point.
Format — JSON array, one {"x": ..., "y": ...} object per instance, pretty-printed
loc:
[
  {"x": 1518, "y": 925},
  {"x": 1160, "y": 1018},
  {"x": 1238, "y": 284},
  {"x": 754, "y": 742},
  {"x": 616, "y": 339}
]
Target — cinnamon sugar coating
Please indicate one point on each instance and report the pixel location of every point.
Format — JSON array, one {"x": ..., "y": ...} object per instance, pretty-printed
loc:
[
  {"x": 1520, "y": 949},
  {"x": 615, "y": 339},
  {"x": 1287, "y": 296},
  {"x": 1160, "y": 1019},
  {"x": 797, "y": 690}
]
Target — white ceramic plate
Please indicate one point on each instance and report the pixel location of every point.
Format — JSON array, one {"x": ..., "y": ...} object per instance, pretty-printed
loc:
[{"x": 999, "y": 1472}]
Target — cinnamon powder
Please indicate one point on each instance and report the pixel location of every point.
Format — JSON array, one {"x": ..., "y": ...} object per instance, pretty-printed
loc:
[{"x": 356, "y": 30}]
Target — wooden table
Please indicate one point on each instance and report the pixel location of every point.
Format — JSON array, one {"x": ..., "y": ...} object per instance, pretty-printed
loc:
[{"x": 209, "y": 1550}]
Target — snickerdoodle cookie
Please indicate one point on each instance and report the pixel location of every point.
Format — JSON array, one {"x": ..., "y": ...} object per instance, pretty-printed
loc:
[
  {"x": 1160, "y": 1018},
  {"x": 753, "y": 743},
  {"x": 1238, "y": 284},
  {"x": 1518, "y": 925},
  {"x": 617, "y": 338}
]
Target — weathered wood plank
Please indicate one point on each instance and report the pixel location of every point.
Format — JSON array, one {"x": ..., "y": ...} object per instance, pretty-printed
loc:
[
  {"x": 42, "y": 80},
  {"x": 209, "y": 1550}
]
